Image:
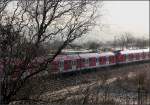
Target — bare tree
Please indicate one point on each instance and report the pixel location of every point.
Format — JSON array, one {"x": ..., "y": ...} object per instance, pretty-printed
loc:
[
  {"x": 32, "y": 23},
  {"x": 141, "y": 42},
  {"x": 125, "y": 40}
]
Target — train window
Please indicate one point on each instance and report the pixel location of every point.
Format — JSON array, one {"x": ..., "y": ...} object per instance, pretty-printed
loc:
[
  {"x": 83, "y": 60},
  {"x": 78, "y": 61},
  {"x": 138, "y": 55},
  {"x": 134, "y": 56},
  {"x": 149, "y": 55},
  {"x": 102, "y": 60},
  {"x": 96, "y": 59},
  {"x": 111, "y": 58},
  {"x": 127, "y": 57},
  {"x": 86, "y": 61},
  {"x": 124, "y": 57},
  {"x": 73, "y": 62},
  {"x": 91, "y": 59},
  {"x": 131, "y": 56},
  {"x": 146, "y": 54},
  {"x": 143, "y": 54},
  {"x": 61, "y": 63},
  {"x": 68, "y": 63},
  {"x": 105, "y": 59},
  {"x": 65, "y": 62}
]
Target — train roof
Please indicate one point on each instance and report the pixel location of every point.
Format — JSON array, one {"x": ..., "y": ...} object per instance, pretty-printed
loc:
[
  {"x": 134, "y": 51},
  {"x": 76, "y": 56},
  {"x": 88, "y": 55},
  {"x": 85, "y": 55},
  {"x": 107, "y": 54}
]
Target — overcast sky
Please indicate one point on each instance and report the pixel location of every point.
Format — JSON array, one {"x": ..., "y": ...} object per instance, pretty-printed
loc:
[{"x": 123, "y": 16}]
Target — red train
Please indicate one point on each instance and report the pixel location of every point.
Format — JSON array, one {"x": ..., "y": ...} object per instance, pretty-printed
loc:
[{"x": 75, "y": 62}]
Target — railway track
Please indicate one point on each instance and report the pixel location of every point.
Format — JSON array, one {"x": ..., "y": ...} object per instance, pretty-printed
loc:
[
  {"x": 50, "y": 84},
  {"x": 88, "y": 76}
]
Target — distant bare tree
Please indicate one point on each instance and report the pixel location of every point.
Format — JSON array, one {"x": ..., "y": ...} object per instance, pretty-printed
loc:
[
  {"x": 141, "y": 42},
  {"x": 25, "y": 28},
  {"x": 93, "y": 45},
  {"x": 125, "y": 40}
]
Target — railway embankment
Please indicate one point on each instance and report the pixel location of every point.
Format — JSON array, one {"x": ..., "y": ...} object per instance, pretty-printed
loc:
[{"x": 113, "y": 85}]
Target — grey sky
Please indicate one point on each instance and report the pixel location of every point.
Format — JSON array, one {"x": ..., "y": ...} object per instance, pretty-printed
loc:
[
  {"x": 118, "y": 17},
  {"x": 122, "y": 16}
]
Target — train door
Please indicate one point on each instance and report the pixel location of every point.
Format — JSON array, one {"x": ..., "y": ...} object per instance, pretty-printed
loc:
[
  {"x": 74, "y": 63},
  {"x": 97, "y": 61},
  {"x": 135, "y": 56},
  {"x": 138, "y": 56},
  {"x": 149, "y": 55},
  {"x": 61, "y": 66},
  {"x": 86, "y": 62},
  {"x": 123, "y": 58},
  {"x": 107, "y": 60},
  {"x": 127, "y": 57},
  {"x": 146, "y": 55},
  {"x": 80, "y": 63},
  {"x": 111, "y": 59},
  {"x": 141, "y": 56}
]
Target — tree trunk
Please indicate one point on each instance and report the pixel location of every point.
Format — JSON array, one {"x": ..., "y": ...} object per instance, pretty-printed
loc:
[{"x": 4, "y": 100}]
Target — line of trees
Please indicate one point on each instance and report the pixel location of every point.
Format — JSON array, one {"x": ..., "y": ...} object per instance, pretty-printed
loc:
[
  {"x": 122, "y": 41},
  {"x": 127, "y": 40}
]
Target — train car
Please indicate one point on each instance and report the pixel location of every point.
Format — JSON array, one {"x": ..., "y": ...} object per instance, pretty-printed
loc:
[
  {"x": 133, "y": 55},
  {"x": 85, "y": 61},
  {"x": 76, "y": 62},
  {"x": 107, "y": 59},
  {"x": 60, "y": 63}
]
